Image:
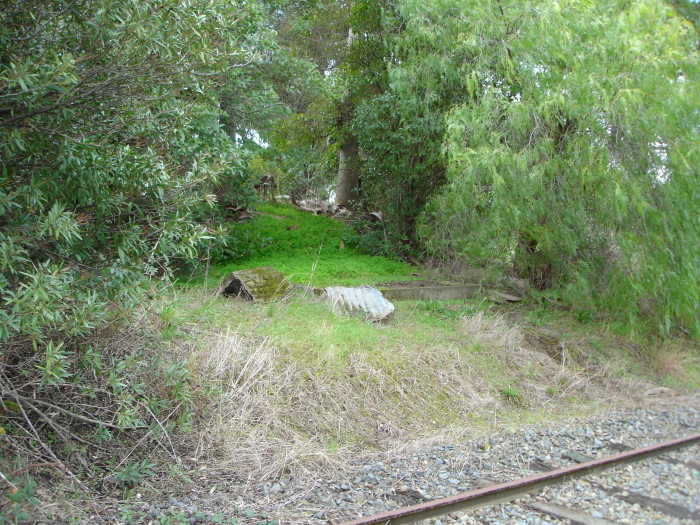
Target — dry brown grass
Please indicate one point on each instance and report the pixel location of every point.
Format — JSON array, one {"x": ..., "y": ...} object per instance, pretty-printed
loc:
[
  {"x": 283, "y": 407},
  {"x": 547, "y": 369},
  {"x": 279, "y": 411},
  {"x": 676, "y": 364},
  {"x": 494, "y": 330},
  {"x": 671, "y": 362}
]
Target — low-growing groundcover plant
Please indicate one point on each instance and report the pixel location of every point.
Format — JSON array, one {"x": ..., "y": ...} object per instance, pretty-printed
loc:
[{"x": 306, "y": 248}]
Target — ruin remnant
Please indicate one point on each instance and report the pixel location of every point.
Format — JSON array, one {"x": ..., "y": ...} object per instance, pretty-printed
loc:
[
  {"x": 255, "y": 284},
  {"x": 365, "y": 299}
]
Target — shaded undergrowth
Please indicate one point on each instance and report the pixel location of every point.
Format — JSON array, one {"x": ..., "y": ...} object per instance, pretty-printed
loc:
[{"x": 308, "y": 249}]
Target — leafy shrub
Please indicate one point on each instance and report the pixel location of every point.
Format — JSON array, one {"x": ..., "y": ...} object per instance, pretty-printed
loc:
[
  {"x": 373, "y": 238},
  {"x": 102, "y": 159},
  {"x": 132, "y": 472},
  {"x": 110, "y": 137},
  {"x": 574, "y": 171},
  {"x": 401, "y": 166},
  {"x": 20, "y": 500}
]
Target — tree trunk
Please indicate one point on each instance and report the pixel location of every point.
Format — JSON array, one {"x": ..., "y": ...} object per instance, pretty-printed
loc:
[{"x": 348, "y": 177}]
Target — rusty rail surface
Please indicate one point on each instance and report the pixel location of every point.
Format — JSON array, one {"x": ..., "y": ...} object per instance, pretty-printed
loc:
[{"x": 512, "y": 489}]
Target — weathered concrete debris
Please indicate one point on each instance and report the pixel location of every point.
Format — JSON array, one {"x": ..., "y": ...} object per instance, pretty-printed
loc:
[
  {"x": 418, "y": 292},
  {"x": 365, "y": 299},
  {"x": 255, "y": 284},
  {"x": 431, "y": 293}
]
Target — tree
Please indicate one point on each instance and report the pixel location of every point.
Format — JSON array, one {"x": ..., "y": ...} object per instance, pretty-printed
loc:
[
  {"x": 570, "y": 163},
  {"x": 341, "y": 40},
  {"x": 401, "y": 128},
  {"x": 104, "y": 105},
  {"x": 110, "y": 135}
]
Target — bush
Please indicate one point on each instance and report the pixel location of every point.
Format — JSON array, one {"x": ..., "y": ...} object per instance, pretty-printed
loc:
[
  {"x": 574, "y": 171},
  {"x": 109, "y": 137}
]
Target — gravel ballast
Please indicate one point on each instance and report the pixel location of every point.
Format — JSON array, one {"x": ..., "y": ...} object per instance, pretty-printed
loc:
[
  {"x": 661, "y": 490},
  {"x": 378, "y": 486}
]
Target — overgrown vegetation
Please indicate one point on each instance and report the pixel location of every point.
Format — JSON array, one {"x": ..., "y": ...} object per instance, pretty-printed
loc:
[
  {"x": 309, "y": 249},
  {"x": 110, "y": 140},
  {"x": 485, "y": 134},
  {"x": 547, "y": 142},
  {"x": 302, "y": 387},
  {"x": 563, "y": 173}
]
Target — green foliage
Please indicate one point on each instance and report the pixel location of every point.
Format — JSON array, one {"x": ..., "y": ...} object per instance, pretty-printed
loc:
[
  {"x": 132, "y": 472},
  {"x": 400, "y": 141},
  {"x": 177, "y": 380},
  {"x": 401, "y": 129},
  {"x": 109, "y": 136},
  {"x": 303, "y": 72},
  {"x": 511, "y": 395},
  {"x": 306, "y": 248},
  {"x": 571, "y": 169},
  {"x": 55, "y": 368},
  {"x": 112, "y": 142},
  {"x": 20, "y": 501},
  {"x": 338, "y": 50},
  {"x": 552, "y": 141},
  {"x": 558, "y": 162},
  {"x": 301, "y": 169},
  {"x": 376, "y": 238}
]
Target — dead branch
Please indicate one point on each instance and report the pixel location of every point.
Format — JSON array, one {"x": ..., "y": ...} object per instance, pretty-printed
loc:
[
  {"x": 77, "y": 416},
  {"x": 47, "y": 450}
]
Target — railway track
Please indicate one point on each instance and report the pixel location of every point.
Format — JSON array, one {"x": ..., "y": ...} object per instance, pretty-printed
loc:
[
  {"x": 549, "y": 478},
  {"x": 661, "y": 490}
]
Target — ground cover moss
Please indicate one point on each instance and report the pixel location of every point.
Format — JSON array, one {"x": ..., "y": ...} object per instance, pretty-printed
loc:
[{"x": 309, "y": 249}]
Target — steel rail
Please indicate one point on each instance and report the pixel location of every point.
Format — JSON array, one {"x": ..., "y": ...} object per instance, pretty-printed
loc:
[{"x": 512, "y": 489}]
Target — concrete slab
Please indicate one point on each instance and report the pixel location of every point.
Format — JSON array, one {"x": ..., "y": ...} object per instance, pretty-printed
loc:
[{"x": 431, "y": 293}]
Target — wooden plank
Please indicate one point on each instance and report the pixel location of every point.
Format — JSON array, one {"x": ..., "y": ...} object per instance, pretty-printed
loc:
[{"x": 667, "y": 507}]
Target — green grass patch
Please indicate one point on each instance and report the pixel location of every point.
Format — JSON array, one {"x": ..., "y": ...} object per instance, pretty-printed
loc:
[
  {"x": 298, "y": 382},
  {"x": 308, "y": 249}
]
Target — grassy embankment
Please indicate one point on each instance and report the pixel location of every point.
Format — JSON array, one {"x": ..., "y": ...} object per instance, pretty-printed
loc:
[
  {"x": 297, "y": 384},
  {"x": 308, "y": 249}
]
